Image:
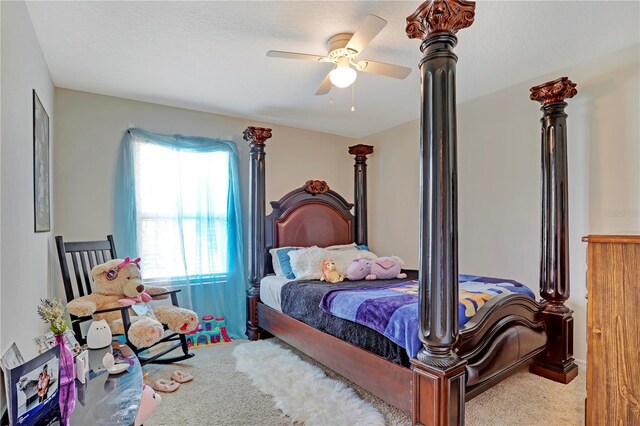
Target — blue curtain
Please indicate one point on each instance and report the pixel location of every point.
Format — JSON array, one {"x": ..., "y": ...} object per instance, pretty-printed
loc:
[{"x": 177, "y": 205}]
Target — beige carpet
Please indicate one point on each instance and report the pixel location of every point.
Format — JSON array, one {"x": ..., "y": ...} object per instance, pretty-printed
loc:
[{"x": 219, "y": 395}]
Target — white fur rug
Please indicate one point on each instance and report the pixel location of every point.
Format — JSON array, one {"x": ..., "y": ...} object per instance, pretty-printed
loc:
[{"x": 300, "y": 390}]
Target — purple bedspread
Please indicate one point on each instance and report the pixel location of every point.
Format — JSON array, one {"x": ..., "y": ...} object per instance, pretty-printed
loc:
[{"x": 392, "y": 308}]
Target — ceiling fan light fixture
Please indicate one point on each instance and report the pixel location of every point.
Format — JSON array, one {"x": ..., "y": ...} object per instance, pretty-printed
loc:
[{"x": 343, "y": 76}]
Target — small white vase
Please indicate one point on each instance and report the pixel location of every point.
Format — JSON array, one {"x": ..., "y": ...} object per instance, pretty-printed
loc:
[{"x": 99, "y": 335}]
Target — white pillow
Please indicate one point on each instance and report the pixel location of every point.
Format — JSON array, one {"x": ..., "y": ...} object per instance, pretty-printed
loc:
[
  {"x": 275, "y": 261},
  {"x": 341, "y": 246},
  {"x": 306, "y": 263}
]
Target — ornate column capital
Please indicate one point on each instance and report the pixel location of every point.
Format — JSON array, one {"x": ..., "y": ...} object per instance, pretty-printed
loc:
[
  {"x": 554, "y": 91},
  {"x": 440, "y": 16},
  {"x": 360, "y": 150},
  {"x": 256, "y": 135}
]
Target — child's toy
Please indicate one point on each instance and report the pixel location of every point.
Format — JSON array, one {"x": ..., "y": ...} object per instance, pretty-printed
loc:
[
  {"x": 118, "y": 283},
  {"x": 99, "y": 335},
  {"x": 329, "y": 272},
  {"x": 148, "y": 404},
  {"x": 209, "y": 332},
  {"x": 181, "y": 377},
  {"x": 112, "y": 367},
  {"x": 381, "y": 268}
]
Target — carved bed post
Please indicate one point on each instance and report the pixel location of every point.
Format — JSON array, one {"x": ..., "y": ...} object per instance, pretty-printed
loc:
[
  {"x": 256, "y": 136},
  {"x": 360, "y": 189},
  {"x": 556, "y": 363},
  {"x": 439, "y": 374}
]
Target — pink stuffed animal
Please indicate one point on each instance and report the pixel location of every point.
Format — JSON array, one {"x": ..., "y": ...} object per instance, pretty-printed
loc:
[
  {"x": 381, "y": 268},
  {"x": 148, "y": 404}
]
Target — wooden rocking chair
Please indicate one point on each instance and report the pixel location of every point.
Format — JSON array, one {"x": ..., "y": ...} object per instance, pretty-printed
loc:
[{"x": 84, "y": 256}]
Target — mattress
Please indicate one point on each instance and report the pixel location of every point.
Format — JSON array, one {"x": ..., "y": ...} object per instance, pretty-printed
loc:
[{"x": 271, "y": 291}]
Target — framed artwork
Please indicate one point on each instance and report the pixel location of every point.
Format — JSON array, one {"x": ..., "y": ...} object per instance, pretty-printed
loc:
[{"x": 41, "y": 207}]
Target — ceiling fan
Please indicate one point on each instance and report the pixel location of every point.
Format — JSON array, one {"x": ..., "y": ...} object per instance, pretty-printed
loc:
[{"x": 344, "y": 49}]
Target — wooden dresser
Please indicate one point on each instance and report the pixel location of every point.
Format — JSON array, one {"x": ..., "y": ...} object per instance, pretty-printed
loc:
[{"x": 613, "y": 330}]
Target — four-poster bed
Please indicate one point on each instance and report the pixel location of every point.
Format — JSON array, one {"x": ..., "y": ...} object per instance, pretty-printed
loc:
[{"x": 506, "y": 334}]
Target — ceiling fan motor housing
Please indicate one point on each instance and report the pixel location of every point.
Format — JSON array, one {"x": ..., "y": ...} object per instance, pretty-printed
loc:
[{"x": 337, "y": 47}]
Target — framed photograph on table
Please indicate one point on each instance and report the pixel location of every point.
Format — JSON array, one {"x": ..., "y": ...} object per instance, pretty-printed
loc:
[
  {"x": 41, "y": 207},
  {"x": 12, "y": 358},
  {"x": 46, "y": 342},
  {"x": 34, "y": 388}
]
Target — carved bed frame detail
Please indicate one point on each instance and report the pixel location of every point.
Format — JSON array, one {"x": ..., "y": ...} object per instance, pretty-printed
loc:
[
  {"x": 316, "y": 187},
  {"x": 508, "y": 333}
]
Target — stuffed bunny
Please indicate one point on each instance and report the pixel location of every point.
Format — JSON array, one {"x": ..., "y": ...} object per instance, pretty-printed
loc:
[
  {"x": 380, "y": 268},
  {"x": 148, "y": 404}
]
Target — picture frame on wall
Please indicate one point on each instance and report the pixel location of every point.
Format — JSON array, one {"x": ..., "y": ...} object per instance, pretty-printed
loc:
[{"x": 41, "y": 196}]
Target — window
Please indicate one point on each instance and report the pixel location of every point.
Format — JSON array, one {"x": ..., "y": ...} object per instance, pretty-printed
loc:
[
  {"x": 177, "y": 206},
  {"x": 182, "y": 201}
]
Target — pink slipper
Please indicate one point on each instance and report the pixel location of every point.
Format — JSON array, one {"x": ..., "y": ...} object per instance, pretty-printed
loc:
[
  {"x": 164, "y": 385},
  {"x": 181, "y": 377}
]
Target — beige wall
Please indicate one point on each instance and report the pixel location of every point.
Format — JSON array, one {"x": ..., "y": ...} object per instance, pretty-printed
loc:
[
  {"x": 25, "y": 256},
  {"x": 499, "y": 176},
  {"x": 392, "y": 173},
  {"x": 90, "y": 127}
]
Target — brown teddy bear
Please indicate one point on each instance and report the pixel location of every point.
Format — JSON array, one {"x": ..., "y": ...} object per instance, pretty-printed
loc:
[{"x": 118, "y": 283}]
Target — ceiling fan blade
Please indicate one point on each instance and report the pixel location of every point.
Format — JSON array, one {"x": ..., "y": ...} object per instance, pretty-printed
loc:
[
  {"x": 293, "y": 55},
  {"x": 325, "y": 86},
  {"x": 368, "y": 30},
  {"x": 389, "y": 70}
]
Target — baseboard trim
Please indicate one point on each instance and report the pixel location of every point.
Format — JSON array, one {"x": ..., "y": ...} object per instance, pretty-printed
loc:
[{"x": 582, "y": 365}]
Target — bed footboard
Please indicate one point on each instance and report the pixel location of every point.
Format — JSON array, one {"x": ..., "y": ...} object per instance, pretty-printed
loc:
[{"x": 502, "y": 338}]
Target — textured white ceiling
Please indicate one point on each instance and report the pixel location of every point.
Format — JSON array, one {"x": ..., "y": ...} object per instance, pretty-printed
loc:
[{"x": 210, "y": 56}]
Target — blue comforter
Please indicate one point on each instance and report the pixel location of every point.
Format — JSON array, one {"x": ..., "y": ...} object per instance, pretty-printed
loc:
[{"x": 392, "y": 309}]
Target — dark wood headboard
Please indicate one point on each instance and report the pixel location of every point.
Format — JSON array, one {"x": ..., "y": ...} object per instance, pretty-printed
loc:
[{"x": 311, "y": 215}]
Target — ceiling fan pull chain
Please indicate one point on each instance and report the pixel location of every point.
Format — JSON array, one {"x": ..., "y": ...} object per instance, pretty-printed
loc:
[{"x": 353, "y": 96}]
